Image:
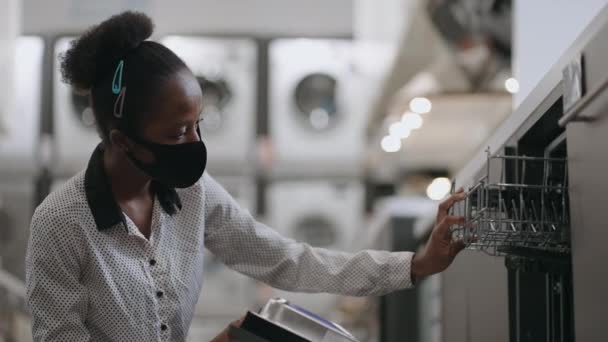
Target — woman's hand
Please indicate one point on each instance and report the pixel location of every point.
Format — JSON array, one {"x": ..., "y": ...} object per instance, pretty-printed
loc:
[
  {"x": 440, "y": 250},
  {"x": 223, "y": 336}
]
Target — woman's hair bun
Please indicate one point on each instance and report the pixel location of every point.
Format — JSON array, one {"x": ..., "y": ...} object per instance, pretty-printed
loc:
[{"x": 94, "y": 55}]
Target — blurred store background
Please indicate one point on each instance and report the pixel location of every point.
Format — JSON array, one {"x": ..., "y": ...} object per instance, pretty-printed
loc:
[{"x": 338, "y": 123}]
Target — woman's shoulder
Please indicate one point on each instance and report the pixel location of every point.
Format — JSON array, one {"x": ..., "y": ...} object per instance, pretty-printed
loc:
[{"x": 65, "y": 202}]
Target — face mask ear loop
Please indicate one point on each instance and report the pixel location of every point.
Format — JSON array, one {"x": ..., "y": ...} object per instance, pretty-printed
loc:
[{"x": 198, "y": 131}]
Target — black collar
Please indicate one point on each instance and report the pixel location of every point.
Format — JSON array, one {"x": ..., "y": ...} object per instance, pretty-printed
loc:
[{"x": 106, "y": 211}]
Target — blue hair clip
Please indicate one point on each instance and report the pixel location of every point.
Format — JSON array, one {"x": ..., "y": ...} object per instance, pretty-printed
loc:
[{"x": 117, "y": 86}]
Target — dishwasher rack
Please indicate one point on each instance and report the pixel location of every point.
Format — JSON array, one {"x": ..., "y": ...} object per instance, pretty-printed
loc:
[{"x": 518, "y": 206}]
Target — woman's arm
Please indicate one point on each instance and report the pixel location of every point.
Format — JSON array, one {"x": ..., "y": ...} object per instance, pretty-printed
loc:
[
  {"x": 55, "y": 295},
  {"x": 258, "y": 251}
]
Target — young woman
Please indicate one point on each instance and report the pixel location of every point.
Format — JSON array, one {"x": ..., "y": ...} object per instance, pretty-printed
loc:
[{"x": 116, "y": 254}]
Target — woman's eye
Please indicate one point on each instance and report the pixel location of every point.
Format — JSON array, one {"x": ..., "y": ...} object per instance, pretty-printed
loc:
[
  {"x": 185, "y": 130},
  {"x": 179, "y": 135}
]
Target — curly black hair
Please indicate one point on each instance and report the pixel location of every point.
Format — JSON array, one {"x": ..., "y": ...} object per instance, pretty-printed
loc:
[{"x": 90, "y": 62}]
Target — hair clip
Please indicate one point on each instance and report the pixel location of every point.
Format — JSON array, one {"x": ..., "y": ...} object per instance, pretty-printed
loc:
[
  {"x": 120, "y": 102},
  {"x": 117, "y": 86}
]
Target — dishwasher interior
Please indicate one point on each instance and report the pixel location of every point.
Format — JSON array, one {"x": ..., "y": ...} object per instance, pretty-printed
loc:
[{"x": 518, "y": 209}]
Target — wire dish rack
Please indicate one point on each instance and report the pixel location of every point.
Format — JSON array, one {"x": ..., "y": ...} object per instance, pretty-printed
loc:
[{"x": 519, "y": 205}]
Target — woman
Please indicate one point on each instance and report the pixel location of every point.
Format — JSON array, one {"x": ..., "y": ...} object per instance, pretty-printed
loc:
[{"x": 116, "y": 254}]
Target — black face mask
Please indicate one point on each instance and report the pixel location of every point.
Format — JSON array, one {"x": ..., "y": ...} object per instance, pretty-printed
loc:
[{"x": 176, "y": 166}]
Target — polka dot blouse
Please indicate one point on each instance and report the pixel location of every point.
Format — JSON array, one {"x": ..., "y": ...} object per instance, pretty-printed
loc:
[{"x": 92, "y": 276}]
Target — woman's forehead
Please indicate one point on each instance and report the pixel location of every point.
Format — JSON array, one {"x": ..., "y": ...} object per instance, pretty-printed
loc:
[{"x": 180, "y": 99}]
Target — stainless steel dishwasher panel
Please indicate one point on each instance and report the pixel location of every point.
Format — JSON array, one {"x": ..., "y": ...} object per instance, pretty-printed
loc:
[
  {"x": 588, "y": 173},
  {"x": 475, "y": 299}
]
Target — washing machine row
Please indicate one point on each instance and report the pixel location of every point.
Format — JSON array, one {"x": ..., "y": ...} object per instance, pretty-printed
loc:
[{"x": 318, "y": 93}]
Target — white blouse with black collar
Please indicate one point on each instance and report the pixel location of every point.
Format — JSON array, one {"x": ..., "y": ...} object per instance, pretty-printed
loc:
[{"x": 92, "y": 276}]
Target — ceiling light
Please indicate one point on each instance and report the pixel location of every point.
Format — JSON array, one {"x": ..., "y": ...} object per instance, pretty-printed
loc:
[
  {"x": 412, "y": 120},
  {"x": 420, "y": 105},
  {"x": 439, "y": 188},
  {"x": 512, "y": 85},
  {"x": 399, "y": 130},
  {"x": 391, "y": 144}
]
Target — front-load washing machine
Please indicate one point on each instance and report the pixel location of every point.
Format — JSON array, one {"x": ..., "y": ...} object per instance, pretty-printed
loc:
[
  {"x": 75, "y": 135},
  {"x": 16, "y": 209},
  {"x": 320, "y": 93},
  {"x": 226, "y": 70},
  {"x": 321, "y": 213},
  {"x": 19, "y": 138},
  {"x": 18, "y": 155}
]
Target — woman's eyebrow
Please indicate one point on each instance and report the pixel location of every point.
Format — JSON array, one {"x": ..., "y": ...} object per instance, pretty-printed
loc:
[{"x": 183, "y": 123}]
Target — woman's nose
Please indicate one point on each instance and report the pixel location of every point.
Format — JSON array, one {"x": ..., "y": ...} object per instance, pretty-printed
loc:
[{"x": 193, "y": 136}]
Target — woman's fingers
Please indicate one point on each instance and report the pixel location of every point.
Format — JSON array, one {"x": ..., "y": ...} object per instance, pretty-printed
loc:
[
  {"x": 457, "y": 247},
  {"x": 443, "y": 228},
  {"x": 444, "y": 207}
]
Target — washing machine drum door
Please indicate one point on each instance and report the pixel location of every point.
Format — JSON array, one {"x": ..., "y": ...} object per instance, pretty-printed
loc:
[
  {"x": 315, "y": 99},
  {"x": 82, "y": 110},
  {"x": 317, "y": 231},
  {"x": 216, "y": 96}
]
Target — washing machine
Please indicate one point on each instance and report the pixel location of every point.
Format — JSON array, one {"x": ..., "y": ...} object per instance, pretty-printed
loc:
[
  {"x": 322, "y": 213},
  {"x": 75, "y": 136},
  {"x": 320, "y": 93},
  {"x": 16, "y": 209},
  {"x": 226, "y": 70},
  {"x": 18, "y": 155},
  {"x": 227, "y": 293},
  {"x": 19, "y": 137}
]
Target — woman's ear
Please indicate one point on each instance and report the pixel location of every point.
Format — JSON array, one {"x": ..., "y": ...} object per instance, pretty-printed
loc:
[{"x": 118, "y": 139}]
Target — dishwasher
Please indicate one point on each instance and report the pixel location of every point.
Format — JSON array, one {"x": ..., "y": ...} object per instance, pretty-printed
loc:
[
  {"x": 518, "y": 210},
  {"x": 538, "y": 203}
]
